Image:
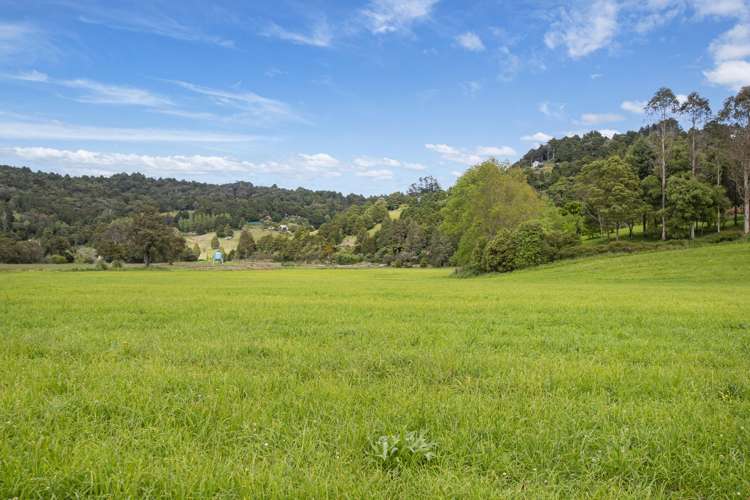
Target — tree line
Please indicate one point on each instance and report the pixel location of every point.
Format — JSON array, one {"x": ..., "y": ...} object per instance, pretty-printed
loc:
[{"x": 661, "y": 182}]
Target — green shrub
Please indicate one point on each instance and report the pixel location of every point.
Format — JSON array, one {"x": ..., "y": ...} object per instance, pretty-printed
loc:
[
  {"x": 526, "y": 246},
  {"x": 101, "y": 265},
  {"x": 498, "y": 253},
  {"x": 57, "y": 259},
  {"x": 117, "y": 264},
  {"x": 346, "y": 258},
  {"x": 723, "y": 236}
]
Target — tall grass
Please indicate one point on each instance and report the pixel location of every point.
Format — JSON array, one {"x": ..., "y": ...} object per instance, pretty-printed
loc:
[{"x": 613, "y": 377}]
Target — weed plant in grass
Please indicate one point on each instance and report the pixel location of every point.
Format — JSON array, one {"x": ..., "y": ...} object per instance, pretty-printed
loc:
[{"x": 615, "y": 376}]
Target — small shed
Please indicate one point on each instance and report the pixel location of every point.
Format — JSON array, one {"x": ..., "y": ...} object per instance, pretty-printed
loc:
[{"x": 218, "y": 257}]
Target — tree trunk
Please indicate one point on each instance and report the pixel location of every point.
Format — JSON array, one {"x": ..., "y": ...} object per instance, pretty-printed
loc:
[
  {"x": 718, "y": 209},
  {"x": 663, "y": 182},
  {"x": 746, "y": 195},
  {"x": 644, "y": 218},
  {"x": 692, "y": 231},
  {"x": 617, "y": 232},
  {"x": 692, "y": 153},
  {"x": 630, "y": 231}
]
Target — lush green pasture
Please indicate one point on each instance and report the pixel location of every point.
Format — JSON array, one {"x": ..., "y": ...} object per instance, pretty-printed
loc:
[{"x": 609, "y": 377}]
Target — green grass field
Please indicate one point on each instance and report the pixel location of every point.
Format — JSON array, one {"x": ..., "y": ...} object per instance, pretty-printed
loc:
[{"x": 611, "y": 377}]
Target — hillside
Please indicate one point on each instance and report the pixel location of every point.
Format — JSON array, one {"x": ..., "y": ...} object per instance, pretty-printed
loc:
[{"x": 41, "y": 200}]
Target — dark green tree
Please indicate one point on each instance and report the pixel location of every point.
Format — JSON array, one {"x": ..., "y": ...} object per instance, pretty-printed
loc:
[{"x": 246, "y": 245}]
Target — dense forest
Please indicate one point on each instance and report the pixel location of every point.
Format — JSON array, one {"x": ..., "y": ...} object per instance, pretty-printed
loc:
[{"x": 684, "y": 175}]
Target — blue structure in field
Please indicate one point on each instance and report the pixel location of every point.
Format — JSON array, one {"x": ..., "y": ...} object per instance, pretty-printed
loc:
[{"x": 218, "y": 257}]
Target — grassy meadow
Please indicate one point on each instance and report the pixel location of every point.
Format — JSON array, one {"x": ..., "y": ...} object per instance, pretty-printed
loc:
[{"x": 615, "y": 377}]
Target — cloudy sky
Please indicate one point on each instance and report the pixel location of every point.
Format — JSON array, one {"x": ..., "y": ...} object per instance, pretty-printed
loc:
[{"x": 358, "y": 96}]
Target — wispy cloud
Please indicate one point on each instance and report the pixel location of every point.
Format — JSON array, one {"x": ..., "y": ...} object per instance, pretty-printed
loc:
[
  {"x": 551, "y": 109},
  {"x": 586, "y": 30},
  {"x": 109, "y": 163},
  {"x": 470, "y": 41},
  {"x": 471, "y": 88},
  {"x": 145, "y": 20},
  {"x": 599, "y": 118},
  {"x": 320, "y": 35},
  {"x": 388, "y": 16},
  {"x": 98, "y": 92},
  {"x": 470, "y": 157},
  {"x": 368, "y": 162},
  {"x": 262, "y": 109},
  {"x": 378, "y": 174},
  {"x": 24, "y": 43},
  {"x": 52, "y": 130}
]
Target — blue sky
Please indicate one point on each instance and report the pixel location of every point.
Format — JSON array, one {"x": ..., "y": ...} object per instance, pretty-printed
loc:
[{"x": 357, "y": 96}]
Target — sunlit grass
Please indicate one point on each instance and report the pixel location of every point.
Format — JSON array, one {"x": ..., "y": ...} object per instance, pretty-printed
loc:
[{"x": 607, "y": 377}]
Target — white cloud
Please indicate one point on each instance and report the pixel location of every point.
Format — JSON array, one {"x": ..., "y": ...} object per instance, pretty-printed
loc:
[
  {"x": 607, "y": 132},
  {"x": 456, "y": 173},
  {"x": 320, "y": 36},
  {"x": 108, "y": 163},
  {"x": 538, "y": 137},
  {"x": 596, "y": 76},
  {"x": 387, "y": 16},
  {"x": 584, "y": 31},
  {"x": 598, "y": 118},
  {"x": 478, "y": 155},
  {"x": 732, "y": 45},
  {"x": 470, "y": 41},
  {"x": 366, "y": 162},
  {"x": 720, "y": 8},
  {"x": 551, "y": 109},
  {"x": 319, "y": 160},
  {"x": 26, "y": 130},
  {"x": 732, "y": 74},
  {"x": 495, "y": 151},
  {"x": 382, "y": 174},
  {"x": 637, "y": 107}
]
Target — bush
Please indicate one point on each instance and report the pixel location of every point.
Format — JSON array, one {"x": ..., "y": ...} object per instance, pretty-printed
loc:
[
  {"x": 526, "y": 246},
  {"x": 723, "y": 236},
  {"x": 101, "y": 265},
  {"x": 20, "y": 252},
  {"x": 345, "y": 258},
  {"x": 57, "y": 259},
  {"x": 117, "y": 264},
  {"x": 85, "y": 255}
]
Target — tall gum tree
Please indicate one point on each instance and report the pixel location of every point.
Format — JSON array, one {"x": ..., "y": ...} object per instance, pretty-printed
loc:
[
  {"x": 736, "y": 114},
  {"x": 697, "y": 111},
  {"x": 662, "y": 107}
]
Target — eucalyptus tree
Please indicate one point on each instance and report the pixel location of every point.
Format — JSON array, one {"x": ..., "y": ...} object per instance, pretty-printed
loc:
[
  {"x": 698, "y": 111},
  {"x": 736, "y": 114},
  {"x": 662, "y": 107}
]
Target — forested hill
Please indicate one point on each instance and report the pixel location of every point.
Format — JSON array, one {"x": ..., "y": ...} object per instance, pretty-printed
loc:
[{"x": 39, "y": 199}]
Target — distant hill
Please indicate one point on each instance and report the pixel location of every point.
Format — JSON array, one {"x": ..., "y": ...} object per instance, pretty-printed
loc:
[{"x": 40, "y": 200}]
